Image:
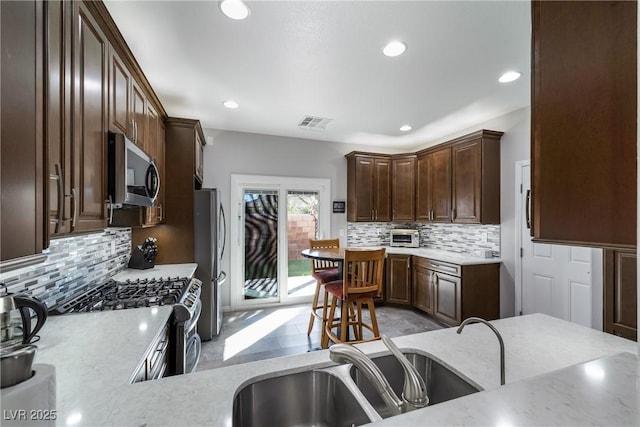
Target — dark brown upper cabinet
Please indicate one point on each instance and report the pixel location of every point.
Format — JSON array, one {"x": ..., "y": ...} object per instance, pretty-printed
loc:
[
  {"x": 23, "y": 226},
  {"x": 459, "y": 181},
  {"x": 475, "y": 187},
  {"x": 90, "y": 69},
  {"x": 433, "y": 186},
  {"x": 368, "y": 187},
  {"x": 583, "y": 124},
  {"x": 403, "y": 184}
]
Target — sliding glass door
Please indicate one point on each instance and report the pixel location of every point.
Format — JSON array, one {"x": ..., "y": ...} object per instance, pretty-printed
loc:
[{"x": 276, "y": 217}]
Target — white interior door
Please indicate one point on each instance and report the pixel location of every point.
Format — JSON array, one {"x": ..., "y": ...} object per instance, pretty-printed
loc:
[{"x": 554, "y": 279}]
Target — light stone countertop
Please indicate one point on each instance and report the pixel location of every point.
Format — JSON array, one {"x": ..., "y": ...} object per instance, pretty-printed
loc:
[
  {"x": 440, "y": 255},
  {"x": 599, "y": 392},
  {"x": 158, "y": 271},
  {"x": 96, "y": 354},
  {"x": 92, "y": 381}
]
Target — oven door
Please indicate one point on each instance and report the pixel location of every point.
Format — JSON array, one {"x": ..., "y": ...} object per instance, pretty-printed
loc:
[{"x": 192, "y": 342}]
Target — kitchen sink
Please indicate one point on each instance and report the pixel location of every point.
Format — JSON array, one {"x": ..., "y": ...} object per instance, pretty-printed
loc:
[
  {"x": 309, "y": 398},
  {"x": 442, "y": 383}
]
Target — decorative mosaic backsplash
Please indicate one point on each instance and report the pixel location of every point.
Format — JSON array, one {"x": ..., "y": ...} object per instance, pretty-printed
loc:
[
  {"x": 461, "y": 238},
  {"x": 73, "y": 264}
]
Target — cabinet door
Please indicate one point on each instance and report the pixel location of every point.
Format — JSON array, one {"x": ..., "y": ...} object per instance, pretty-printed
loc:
[
  {"x": 23, "y": 226},
  {"x": 403, "y": 177},
  {"x": 119, "y": 95},
  {"x": 583, "y": 127},
  {"x": 423, "y": 195},
  {"x": 447, "y": 298},
  {"x": 398, "y": 279},
  {"x": 423, "y": 290},
  {"x": 90, "y": 122},
  {"x": 440, "y": 185},
  {"x": 467, "y": 170},
  {"x": 620, "y": 291},
  {"x": 58, "y": 134},
  {"x": 139, "y": 112},
  {"x": 363, "y": 184},
  {"x": 382, "y": 189}
]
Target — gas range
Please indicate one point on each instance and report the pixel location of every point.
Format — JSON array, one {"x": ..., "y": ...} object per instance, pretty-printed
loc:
[
  {"x": 181, "y": 293},
  {"x": 113, "y": 295}
]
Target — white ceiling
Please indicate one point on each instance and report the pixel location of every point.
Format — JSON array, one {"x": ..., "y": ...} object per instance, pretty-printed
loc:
[{"x": 323, "y": 58}]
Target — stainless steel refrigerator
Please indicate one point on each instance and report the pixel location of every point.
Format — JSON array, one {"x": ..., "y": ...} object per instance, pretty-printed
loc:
[{"x": 209, "y": 245}]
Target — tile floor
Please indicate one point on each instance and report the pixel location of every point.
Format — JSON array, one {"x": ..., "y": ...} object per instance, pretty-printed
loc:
[{"x": 271, "y": 332}]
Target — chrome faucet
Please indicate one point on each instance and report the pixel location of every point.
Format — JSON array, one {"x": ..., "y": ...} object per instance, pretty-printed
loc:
[
  {"x": 495, "y": 331},
  {"x": 414, "y": 393}
]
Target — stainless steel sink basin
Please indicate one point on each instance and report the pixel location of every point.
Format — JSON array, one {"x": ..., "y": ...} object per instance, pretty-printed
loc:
[
  {"x": 310, "y": 398},
  {"x": 442, "y": 383}
]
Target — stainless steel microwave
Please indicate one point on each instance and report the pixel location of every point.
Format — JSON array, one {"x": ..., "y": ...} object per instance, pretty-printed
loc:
[
  {"x": 132, "y": 175},
  {"x": 403, "y": 237}
]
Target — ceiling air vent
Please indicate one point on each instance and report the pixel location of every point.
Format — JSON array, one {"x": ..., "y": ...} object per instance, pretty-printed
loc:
[{"x": 314, "y": 123}]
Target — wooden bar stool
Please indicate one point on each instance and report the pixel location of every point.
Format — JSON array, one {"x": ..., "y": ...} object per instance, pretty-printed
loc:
[
  {"x": 361, "y": 282},
  {"x": 324, "y": 272}
]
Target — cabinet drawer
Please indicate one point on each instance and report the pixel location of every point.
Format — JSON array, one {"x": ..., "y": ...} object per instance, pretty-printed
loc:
[{"x": 439, "y": 266}]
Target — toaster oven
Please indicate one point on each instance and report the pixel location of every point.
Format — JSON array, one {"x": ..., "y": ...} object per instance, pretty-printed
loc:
[{"x": 403, "y": 237}]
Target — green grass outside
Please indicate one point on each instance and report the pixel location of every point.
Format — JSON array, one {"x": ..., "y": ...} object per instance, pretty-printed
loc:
[{"x": 299, "y": 267}]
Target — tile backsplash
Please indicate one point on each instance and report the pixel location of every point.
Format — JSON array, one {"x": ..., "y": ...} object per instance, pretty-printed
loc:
[
  {"x": 72, "y": 264},
  {"x": 461, "y": 238}
]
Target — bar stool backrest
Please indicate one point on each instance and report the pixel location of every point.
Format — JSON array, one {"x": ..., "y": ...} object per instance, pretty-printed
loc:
[
  {"x": 363, "y": 271},
  {"x": 319, "y": 264}
]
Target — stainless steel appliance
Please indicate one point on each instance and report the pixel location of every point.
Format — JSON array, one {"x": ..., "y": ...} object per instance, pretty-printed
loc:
[
  {"x": 182, "y": 293},
  {"x": 16, "y": 352},
  {"x": 209, "y": 245},
  {"x": 404, "y": 237},
  {"x": 132, "y": 175},
  {"x": 15, "y": 318}
]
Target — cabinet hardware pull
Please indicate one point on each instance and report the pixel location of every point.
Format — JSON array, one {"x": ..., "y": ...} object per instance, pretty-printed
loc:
[
  {"x": 527, "y": 209},
  {"x": 432, "y": 215},
  {"x": 135, "y": 132},
  {"x": 60, "y": 179},
  {"x": 372, "y": 216},
  {"x": 110, "y": 210},
  {"x": 160, "y": 213},
  {"x": 453, "y": 214},
  {"x": 75, "y": 208}
]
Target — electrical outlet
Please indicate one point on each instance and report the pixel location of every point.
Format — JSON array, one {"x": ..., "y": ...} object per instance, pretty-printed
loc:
[
  {"x": 113, "y": 247},
  {"x": 341, "y": 232},
  {"x": 485, "y": 237}
]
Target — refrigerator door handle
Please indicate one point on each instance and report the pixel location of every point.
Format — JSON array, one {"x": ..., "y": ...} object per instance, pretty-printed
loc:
[{"x": 224, "y": 231}]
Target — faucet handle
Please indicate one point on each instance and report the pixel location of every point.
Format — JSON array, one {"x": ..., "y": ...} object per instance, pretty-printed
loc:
[{"x": 415, "y": 390}]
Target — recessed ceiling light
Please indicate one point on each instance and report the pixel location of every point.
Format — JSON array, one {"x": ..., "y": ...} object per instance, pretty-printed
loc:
[
  {"x": 405, "y": 128},
  {"x": 394, "y": 48},
  {"x": 509, "y": 76},
  {"x": 234, "y": 9},
  {"x": 232, "y": 105}
]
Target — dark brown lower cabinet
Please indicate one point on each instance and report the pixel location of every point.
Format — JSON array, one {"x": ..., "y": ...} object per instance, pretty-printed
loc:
[
  {"x": 620, "y": 293},
  {"x": 451, "y": 292},
  {"x": 446, "y": 291},
  {"x": 423, "y": 289},
  {"x": 398, "y": 279}
]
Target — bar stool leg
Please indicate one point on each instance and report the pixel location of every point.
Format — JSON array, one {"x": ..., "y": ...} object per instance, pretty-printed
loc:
[
  {"x": 329, "y": 322},
  {"x": 314, "y": 307}
]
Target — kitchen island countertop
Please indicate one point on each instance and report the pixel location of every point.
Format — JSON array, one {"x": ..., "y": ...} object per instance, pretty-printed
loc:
[{"x": 535, "y": 345}]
